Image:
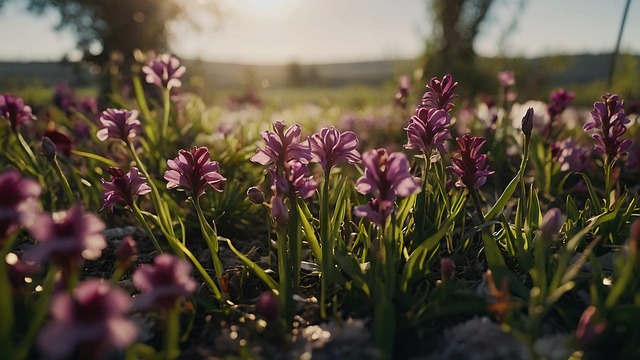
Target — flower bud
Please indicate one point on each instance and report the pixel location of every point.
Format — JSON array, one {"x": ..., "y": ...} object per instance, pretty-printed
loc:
[
  {"x": 255, "y": 195},
  {"x": 127, "y": 252},
  {"x": 552, "y": 222},
  {"x": 267, "y": 305},
  {"x": 447, "y": 268},
  {"x": 527, "y": 123},
  {"x": 49, "y": 149},
  {"x": 279, "y": 211}
]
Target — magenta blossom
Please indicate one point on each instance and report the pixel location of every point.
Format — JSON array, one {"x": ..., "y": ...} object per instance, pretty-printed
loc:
[
  {"x": 282, "y": 146},
  {"x": 402, "y": 95},
  {"x": 468, "y": 164},
  {"x": 571, "y": 155},
  {"x": 194, "y": 172},
  {"x": 427, "y": 131},
  {"x": 88, "y": 323},
  {"x": 162, "y": 284},
  {"x": 330, "y": 148},
  {"x": 296, "y": 181},
  {"x": 14, "y": 109},
  {"x": 164, "y": 71},
  {"x": 123, "y": 188},
  {"x": 440, "y": 93},
  {"x": 67, "y": 238},
  {"x": 507, "y": 78},
  {"x": 385, "y": 177},
  {"x": 119, "y": 124},
  {"x": 18, "y": 202},
  {"x": 609, "y": 123},
  {"x": 559, "y": 100}
]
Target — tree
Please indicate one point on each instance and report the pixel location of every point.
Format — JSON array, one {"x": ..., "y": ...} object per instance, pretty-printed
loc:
[
  {"x": 105, "y": 27},
  {"x": 450, "y": 50}
]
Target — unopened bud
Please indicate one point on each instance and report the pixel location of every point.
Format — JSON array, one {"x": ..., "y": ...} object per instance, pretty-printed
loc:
[
  {"x": 279, "y": 212},
  {"x": 590, "y": 328},
  {"x": 268, "y": 305},
  {"x": 447, "y": 268},
  {"x": 49, "y": 149},
  {"x": 527, "y": 123},
  {"x": 552, "y": 222},
  {"x": 127, "y": 252},
  {"x": 255, "y": 195}
]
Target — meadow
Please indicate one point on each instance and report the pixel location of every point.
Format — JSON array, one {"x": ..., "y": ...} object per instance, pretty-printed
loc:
[{"x": 397, "y": 222}]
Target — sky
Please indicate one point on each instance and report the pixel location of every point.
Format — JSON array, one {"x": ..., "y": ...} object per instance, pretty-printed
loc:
[{"x": 326, "y": 31}]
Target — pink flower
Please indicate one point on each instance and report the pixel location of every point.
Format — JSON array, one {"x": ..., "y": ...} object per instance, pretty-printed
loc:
[
  {"x": 14, "y": 109},
  {"x": 507, "y": 78},
  {"x": 468, "y": 164},
  {"x": 18, "y": 201},
  {"x": 559, "y": 100},
  {"x": 164, "y": 71},
  {"x": 440, "y": 93},
  {"x": 385, "y": 177},
  {"x": 295, "y": 180},
  {"x": 330, "y": 148},
  {"x": 282, "y": 146},
  {"x": 427, "y": 131},
  {"x": 123, "y": 188},
  {"x": 119, "y": 124},
  {"x": 67, "y": 238},
  {"x": 163, "y": 283},
  {"x": 194, "y": 172},
  {"x": 402, "y": 95},
  {"x": 609, "y": 123},
  {"x": 88, "y": 323}
]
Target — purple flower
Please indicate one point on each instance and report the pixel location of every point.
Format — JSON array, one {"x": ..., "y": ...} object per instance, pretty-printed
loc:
[
  {"x": 440, "y": 94},
  {"x": 164, "y": 71},
  {"x": 123, "y": 188},
  {"x": 295, "y": 180},
  {"x": 282, "y": 146},
  {"x": 18, "y": 201},
  {"x": 88, "y": 323},
  {"x": 330, "y": 148},
  {"x": 590, "y": 328},
  {"x": 385, "y": 177},
  {"x": 119, "y": 124},
  {"x": 507, "y": 78},
  {"x": 64, "y": 98},
  {"x": 163, "y": 283},
  {"x": 14, "y": 109},
  {"x": 552, "y": 222},
  {"x": 126, "y": 252},
  {"x": 571, "y": 155},
  {"x": 609, "y": 124},
  {"x": 194, "y": 172},
  {"x": 468, "y": 164},
  {"x": 279, "y": 211},
  {"x": 427, "y": 131},
  {"x": 559, "y": 100},
  {"x": 67, "y": 238},
  {"x": 402, "y": 95}
]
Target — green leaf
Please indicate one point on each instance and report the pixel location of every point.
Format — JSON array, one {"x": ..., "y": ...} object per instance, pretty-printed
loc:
[{"x": 252, "y": 266}]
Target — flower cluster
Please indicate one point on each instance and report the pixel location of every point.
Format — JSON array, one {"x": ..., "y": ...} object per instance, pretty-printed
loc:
[
  {"x": 15, "y": 110},
  {"x": 194, "y": 172},
  {"x": 440, "y": 93},
  {"x": 468, "y": 164},
  {"x": 609, "y": 124},
  {"x": 385, "y": 177},
  {"x": 402, "y": 95},
  {"x": 329, "y": 147},
  {"x": 282, "y": 146},
  {"x": 558, "y": 101},
  {"x": 18, "y": 205},
  {"x": 123, "y": 188},
  {"x": 427, "y": 131},
  {"x": 67, "y": 238},
  {"x": 89, "y": 322},
  {"x": 164, "y": 71},
  {"x": 162, "y": 284},
  {"x": 119, "y": 124}
]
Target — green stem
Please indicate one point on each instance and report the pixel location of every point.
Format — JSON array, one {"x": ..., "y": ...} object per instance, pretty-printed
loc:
[
  {"x": 6, "y": 302},
  {"x": 476, "y": 204},
  {"x": 284, "y": 277},
  {"x": 172, "y": 333},
  {"x": 295, "y": 242},
  {"x": 65, "y": 183},
  {"x": 211, "y": 237},
  {"x": 42, "y": 309},
  {"x": 166, "y": 95},
  {"x": 327, "y": 246},
  {"x": 208, "y": 280},
  {"x": 421, "y": 204},
  {"x": 27, "y": 149},
  {"x": 138, "y": 214}
]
